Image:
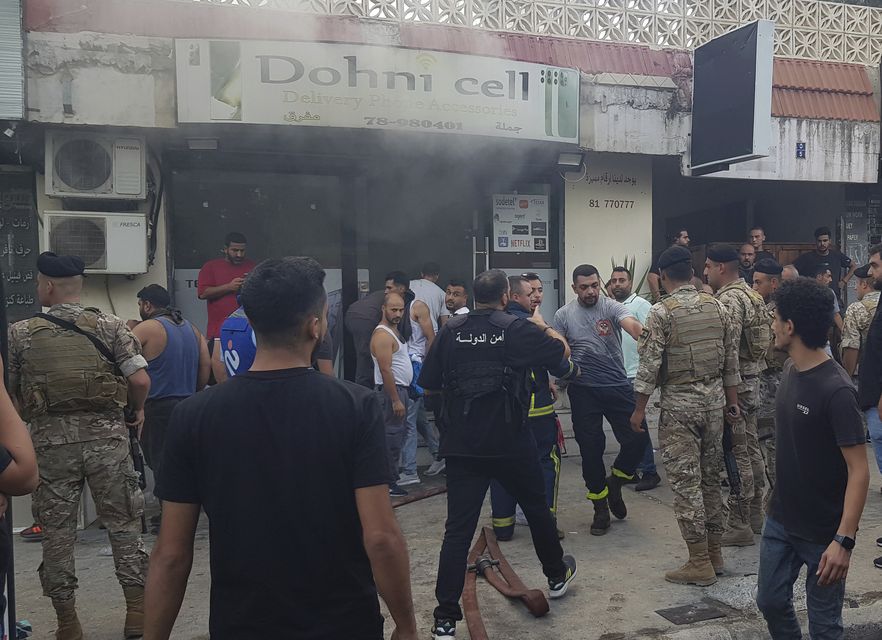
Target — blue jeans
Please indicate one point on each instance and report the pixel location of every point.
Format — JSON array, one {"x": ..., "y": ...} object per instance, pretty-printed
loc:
[
  {"x": 781, "y": 558},
  {"x": 874, "y": 424},
  {"x": 417, "y": 421},
  {"x": 648, "y": 463}
]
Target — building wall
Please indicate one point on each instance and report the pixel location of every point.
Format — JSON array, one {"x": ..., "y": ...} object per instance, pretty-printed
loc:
[{"x": 608, "y": 215}]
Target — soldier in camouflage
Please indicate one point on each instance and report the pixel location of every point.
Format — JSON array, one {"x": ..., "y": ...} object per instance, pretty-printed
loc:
[
  {"x": 73, "y": 397},
  {"x": 750, "y": 321},
  {"x": 766, "y": 278},
  {"x": 858, "y": 317},
  {"x": 689, "y": 350}
]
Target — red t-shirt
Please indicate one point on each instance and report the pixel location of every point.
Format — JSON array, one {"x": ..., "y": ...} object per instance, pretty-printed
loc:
[{"x": 215, "y": 273}]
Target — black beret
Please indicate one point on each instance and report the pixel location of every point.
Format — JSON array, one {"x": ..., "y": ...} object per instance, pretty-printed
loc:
[
  {"x": 722, "y": 253},
  {"x": 863, "y": 272},
  {"x": 55, "y": 266},
  {"x": 768, "y": 266},
  {"x": 155, "y": 294},
  {"x": 674, "y": 255}
]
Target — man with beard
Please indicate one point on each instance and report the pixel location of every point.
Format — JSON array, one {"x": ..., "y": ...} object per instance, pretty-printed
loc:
[
  {"x": 219, "y": 283},
  {"x": 456, "y": 298},
  {"x": 746, "y": 258},
  {"x": 858, "y": 317},
  {"x": 621, "y": 284},
  {"x": 393, "y": 374},
  {"x": 592, "y": 325},
  {"x": 766, "y": 279},
  {"x": 825, "y": 255},
  {"x": 177, "y": 363}
]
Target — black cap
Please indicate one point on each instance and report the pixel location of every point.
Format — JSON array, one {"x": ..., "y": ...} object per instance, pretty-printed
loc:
[
  {"x": 674, "y": 255},
  {"x": 56, "y": 266},
  {"x": 155, "y": 295},
  {"x": 768, "y": 266},
  {"x": 722, "y": 253},
  {"x": 863, "y": 272}
]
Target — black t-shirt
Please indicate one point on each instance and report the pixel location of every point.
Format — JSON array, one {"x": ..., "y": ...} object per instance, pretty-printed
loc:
[
  {"x": 808, "y": 264},
  {"x": 816, "y": 414},
  {"x": 764, "y": 255},
  {"x": 870, "y": 376},
  {"x": 287, "y": 448},
  {"x": 490, "y": 431}
]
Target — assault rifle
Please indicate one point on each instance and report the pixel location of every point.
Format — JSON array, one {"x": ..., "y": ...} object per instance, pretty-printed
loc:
[
  {"x": 137, "y": 459},
  {"x": 730, "y": 461}
]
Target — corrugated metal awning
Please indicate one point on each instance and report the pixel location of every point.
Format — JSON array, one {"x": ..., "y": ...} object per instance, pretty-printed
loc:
[{"x": 11, "y": 62}]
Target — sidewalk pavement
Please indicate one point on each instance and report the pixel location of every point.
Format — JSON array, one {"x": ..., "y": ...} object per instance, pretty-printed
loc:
[{"x": 619, "y": 588}]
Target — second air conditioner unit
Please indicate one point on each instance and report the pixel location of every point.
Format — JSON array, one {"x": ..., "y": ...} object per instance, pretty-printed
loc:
[
  {"x": 109, "y": 243},
  {"x": 87, "y": 165}
]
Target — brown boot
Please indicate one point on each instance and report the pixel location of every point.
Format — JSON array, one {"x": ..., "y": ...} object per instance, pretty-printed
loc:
[
  {"x": 757, "y": 514},
  {"x": 68, "y": 624},
  {"x": 698, "y": 570},
  {"x": 715, "y": 552},
  {"x": 738, "y": 531},
  {"x": 134, "y": 626}
]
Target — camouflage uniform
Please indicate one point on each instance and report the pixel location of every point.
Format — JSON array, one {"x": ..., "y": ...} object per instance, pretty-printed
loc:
[
  {"x": 857, "y": 321},
  {"x": 80, "y": 445},
  {"x": 749, "y": 317},
  {"x": 770, "y": 379},
  {"x": 692, "y": 401}
]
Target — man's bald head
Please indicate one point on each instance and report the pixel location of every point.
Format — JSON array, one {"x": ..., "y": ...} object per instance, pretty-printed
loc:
[
  {"x": 53, "y": 291},
  {"x": 393, "y": 308}
]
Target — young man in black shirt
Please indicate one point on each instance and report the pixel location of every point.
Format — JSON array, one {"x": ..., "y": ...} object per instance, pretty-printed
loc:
[
  {"x": 283, "y": 439},
  {"x": 822, "y": 471},
  {"x": 841, "y": 266}
]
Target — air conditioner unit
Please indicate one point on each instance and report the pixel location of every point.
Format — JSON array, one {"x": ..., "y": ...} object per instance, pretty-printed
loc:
[
  {"x": 85, "y": 165},
  {"x": 107, "y": 242}
]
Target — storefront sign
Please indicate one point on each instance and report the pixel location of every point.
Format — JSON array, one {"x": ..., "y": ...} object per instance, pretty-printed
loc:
[
  {"x": 371, "y": 87},
  {"x": 520, "y": 223},
  {"x": 20, "y": 245}
]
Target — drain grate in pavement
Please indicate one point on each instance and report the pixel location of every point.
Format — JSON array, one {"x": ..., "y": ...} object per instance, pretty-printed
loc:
[{"x": 687, "y": 614}]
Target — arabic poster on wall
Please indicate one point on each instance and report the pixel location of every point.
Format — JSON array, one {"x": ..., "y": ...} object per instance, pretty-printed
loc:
[
  {"x": 520, "y": 223},
  {"x": 19, "y": 243}
]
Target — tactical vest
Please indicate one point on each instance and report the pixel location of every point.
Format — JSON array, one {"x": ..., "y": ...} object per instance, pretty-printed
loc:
[
  {"x": 63, "y": 372},
  {"x": 696, "y": 351},
  {"x": 775, "y": 358},
  {"x": 478, "y": 370},
  {"x": 753, "y": 343}
]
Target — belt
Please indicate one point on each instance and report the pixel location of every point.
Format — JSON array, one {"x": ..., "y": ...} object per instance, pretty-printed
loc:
[{"x": 379, "y": 387}]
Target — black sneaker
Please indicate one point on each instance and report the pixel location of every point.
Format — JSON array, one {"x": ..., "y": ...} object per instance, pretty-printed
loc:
[
  {"x": 877, "y": 563},
  {"x": 648, "y": 481},
  {"x": 396, "y": 492},
  {"x": 558, "y": 588},
  {"x": 443, "y": 628},
  {"x": 879, "y": 542}
]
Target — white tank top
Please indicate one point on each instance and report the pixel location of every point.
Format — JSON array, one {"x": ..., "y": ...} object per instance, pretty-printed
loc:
[
  {"x": 416, "y": 346},
  {"x": 402, "y": 369}
]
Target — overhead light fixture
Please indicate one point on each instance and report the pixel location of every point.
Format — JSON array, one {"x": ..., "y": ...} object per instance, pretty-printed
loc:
[
  {"x": 569, "y": 162},
  {"x": 202, "y": 144}
]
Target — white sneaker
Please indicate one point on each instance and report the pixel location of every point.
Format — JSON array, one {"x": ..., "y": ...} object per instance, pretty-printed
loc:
[
  {"x": 436, "y": 467},
  {"x": 408, "y": 478}
]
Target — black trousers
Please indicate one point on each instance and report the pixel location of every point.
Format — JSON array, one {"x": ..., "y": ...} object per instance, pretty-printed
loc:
[
  {"x": 467, "y": 483},
  {"x": 157, "y": 413},
  {"x": 590, "y": 405}
]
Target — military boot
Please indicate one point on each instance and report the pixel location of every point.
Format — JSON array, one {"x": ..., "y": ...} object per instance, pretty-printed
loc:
[
  {"x": 738, "y": 531},
  {"x": 134, "y": 625},
  {"x": 68, "y": 624},
  {"x": 757, "y": 514},
  {"x": 600, "y": 524},
  {"x": 715, "y": 552},
  {"x": 616, "y": 504},
  {"x": 698, "y": 570}
]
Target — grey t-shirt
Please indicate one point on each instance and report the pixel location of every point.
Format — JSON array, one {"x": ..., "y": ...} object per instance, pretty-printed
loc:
[{"x": 595, "y": 338}]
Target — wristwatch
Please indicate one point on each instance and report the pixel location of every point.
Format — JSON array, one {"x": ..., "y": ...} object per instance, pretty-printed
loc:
[{"x": 846, "y": 542}]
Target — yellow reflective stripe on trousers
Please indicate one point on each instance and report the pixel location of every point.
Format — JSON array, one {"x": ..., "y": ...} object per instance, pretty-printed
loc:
[
  {"x": 622, "y": 474},
  {"x": 501, "y": 523},
  {"x": 541, "y": 411},
  {"x": 555, "y": 458},
  {"x": 598, "y": 496}
]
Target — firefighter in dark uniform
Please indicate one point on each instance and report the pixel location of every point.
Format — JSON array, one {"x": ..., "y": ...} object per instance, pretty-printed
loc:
[
  {"x": 542, "y": 422},
  {"x": 478, "y": 369}
]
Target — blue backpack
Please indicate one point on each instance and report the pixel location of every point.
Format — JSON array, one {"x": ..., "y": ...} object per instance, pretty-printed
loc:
[{"x": 238, "y": 344}]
